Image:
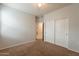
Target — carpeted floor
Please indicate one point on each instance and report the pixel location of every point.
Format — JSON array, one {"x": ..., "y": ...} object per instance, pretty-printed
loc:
[{"x": 37, "y": 48}]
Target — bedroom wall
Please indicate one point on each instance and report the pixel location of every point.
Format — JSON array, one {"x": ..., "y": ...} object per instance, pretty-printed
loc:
[
  {"x": 0, "y": 17},
  {"x": 70, "y": 12},
  {"x": 17, "y": 27},
  {"x": 0, "y": 21}
]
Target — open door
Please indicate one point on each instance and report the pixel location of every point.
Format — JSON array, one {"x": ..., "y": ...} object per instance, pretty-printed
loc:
[{"x": 40, "y": 31}]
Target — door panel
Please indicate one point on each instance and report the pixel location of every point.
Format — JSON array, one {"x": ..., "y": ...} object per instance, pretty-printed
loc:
[
  {"x": 49, "y": 30},
  {"x": 61, "y": 32}
]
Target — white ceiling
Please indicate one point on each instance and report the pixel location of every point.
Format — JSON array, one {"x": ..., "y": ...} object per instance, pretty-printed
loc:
[{"x": 33, "y": 9}]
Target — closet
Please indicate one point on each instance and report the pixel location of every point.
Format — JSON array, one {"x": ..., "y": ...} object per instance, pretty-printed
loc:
[
  {"x": 61, "y": 32},
  {"x": 56, "y": 30}
]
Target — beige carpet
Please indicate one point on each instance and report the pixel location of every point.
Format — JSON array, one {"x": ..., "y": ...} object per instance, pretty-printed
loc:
[{"x": 37, "y": 48}]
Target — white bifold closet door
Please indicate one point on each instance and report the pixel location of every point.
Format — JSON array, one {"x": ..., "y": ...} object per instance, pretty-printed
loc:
[
  {"x": 56, "y": 31},
  {"x": 61, "y": 32},
  {"x": 49, "y": 29}
]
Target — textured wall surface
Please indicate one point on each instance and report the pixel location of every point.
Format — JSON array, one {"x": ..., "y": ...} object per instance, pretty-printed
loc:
[{"x": 16, "y": 27}]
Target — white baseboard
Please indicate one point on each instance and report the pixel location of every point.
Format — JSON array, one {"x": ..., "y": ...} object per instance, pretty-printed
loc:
[
  {"x": 73, "y": 50},
  {"x": 16, "y": 45}
]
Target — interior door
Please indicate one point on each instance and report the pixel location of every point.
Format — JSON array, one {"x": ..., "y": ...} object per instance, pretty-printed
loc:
[{"x": 61, "y": 32}]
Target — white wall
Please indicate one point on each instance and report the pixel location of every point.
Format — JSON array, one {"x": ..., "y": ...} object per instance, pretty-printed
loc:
[
  {"x": 70, "y": 12},
  {"x": 0, "y": 21},
  {"x": 17, "y": 27},
  {"x": 0, "y": 17}
]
